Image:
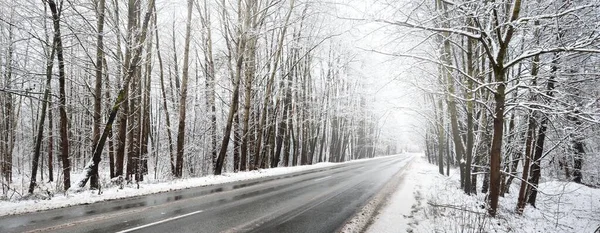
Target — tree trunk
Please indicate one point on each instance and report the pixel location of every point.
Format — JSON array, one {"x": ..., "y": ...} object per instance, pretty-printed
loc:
[
  {"x": 232, "y": 111},
  {"x": 64, "y": 131},
  {"x": 528, "y": 151},
  {"x": 579, "y": 150},
  {"x": 182, "y": 101},
  {"x": 50, "y": 146},
  {"x": 249, "y": 72},
  {"x": 237, "y": 139},
  {"x": 541, "y": 138},
  {"x": 94, "y": 184},
  {"x": 145, "y": 111},
  {"x": 578, "y": 161},
  {"x": 40, "y": 133},
  {"x": 500, "y": 100},
  {"x": 470, "y": 124},
  {"x": 459, "y": 147},
  {"x": 441, "y": 140},
  {"x": 111, "y": 146},
  {"x": 496, "y": 151},
  {"x": 164, "y": 100}
]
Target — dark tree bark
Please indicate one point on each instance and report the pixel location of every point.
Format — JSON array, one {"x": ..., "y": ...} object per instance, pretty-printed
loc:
[
  {"x": 440, "y": 138},
  {"x": 62, "y": 99},
  {"x": 496, "y": 150},
  {"x": 50, "y": 146},
  {"x": 97, "y": 116},
  {"x": 526, "y": 164},
  {"x": 229, "y": 123}
]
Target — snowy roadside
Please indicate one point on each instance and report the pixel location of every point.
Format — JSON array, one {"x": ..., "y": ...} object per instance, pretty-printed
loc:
[
  {"x": 429, "y": 202},
  {"x": 399, "y": 213},
  {"x": 60, "y": 200},
  {"x": 366, "y": 215}
]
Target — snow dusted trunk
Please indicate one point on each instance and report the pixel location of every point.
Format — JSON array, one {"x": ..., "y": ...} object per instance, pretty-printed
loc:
[
  {"x": 530, "y": 135},
  {"x": 122, "y": 134},
  {"x": 246, "y": 130}
]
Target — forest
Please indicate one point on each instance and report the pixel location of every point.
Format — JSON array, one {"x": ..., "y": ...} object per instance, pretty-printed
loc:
[{"x": 515, "y": 96}]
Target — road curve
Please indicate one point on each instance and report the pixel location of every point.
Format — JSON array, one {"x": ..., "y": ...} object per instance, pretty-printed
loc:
[{"x": 318, "y": 200}]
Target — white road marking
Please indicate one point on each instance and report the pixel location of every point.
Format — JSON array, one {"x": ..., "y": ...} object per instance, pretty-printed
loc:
[
  {"x": 323, "y": 178},
  {"x": 161, "y": 221}
]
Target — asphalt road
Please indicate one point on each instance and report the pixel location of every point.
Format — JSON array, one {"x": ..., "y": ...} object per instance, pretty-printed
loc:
[{"x": 319, "y": 200}]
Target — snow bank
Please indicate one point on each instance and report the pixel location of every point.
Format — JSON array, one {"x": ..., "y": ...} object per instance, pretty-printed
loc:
[{"x": 430, "y": 202}]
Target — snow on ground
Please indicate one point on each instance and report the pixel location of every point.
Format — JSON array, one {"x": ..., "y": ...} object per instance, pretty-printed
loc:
[
  {"x": 429, "y": 202},
  {"x": 60, "y": 200},
  {"x": 397, "y": 214}
]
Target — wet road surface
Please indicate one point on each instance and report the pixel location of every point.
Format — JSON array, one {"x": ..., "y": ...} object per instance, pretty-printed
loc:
[{"x": 318, "y": 200}]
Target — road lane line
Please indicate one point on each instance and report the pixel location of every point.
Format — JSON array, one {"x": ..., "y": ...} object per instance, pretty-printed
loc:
[
  {"x": 161, "y": 221},
  {"x": 323, "y": 178}
]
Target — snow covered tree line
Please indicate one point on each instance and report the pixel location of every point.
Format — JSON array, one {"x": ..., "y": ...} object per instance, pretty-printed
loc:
[
  {"x": 128, "y": 88},
  {"x": 515, "y": 94}
]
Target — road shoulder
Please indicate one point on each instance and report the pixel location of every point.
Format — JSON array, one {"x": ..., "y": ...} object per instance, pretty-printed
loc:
[{"x": 364, "y": 219}]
